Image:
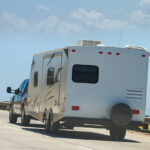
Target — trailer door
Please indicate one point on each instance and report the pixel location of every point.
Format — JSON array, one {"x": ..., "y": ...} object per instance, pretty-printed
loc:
[{"x": 51, "y": 80}]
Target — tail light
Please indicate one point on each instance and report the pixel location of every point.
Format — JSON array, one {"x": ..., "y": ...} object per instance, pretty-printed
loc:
[
  {"x": 73, "y": 50},
  {"x": 100, "y": 52},
  {"x": 136, "y": 112},
  {"x": 75, "y": 108},
  {"x": 143, "y": 55},
  {"x": 117, "y": 53}
]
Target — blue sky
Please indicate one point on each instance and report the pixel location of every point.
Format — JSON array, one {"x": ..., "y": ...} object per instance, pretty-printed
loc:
[{"x": 28, "y": 27}]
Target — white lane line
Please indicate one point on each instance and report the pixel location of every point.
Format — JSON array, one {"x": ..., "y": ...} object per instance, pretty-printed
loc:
[
  {"x": 83, "y": 147},
  {"x": 12, "y": 128}
]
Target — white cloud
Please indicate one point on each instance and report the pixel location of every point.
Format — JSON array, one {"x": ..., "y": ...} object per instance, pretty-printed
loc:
[
  {"x": 79, "y": 21},
  {"x": 11, "y": 22},
  {"x": 140, "y": 18},
  {"x": 142, "y": 15},
  {"x": 97, "y": 20},
  {"x": 145, "y": 2},
  {"x": 53, "y": 23},
  {"x": 43, "y": 8},
  {"x": 145, "y": 6}
]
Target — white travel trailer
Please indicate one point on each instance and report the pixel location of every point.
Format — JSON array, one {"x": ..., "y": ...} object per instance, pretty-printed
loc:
[{"x": 89, "y": 84}]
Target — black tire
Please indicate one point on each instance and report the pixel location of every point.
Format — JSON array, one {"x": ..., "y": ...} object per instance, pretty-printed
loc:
[
  {"x": 25, "y": 120},
  {"x": 50, "y": 127},
  {"x": 12, "y": 116},
  {"x": 121, "y": 114},
  {"x": 117, "y": 133}
]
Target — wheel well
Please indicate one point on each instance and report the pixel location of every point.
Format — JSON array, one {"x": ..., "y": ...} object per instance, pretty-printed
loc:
[{"x": 47, "y": 113}]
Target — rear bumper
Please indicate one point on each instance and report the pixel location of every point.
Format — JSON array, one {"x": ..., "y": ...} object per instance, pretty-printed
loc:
[{"x": 105, "y": 123}]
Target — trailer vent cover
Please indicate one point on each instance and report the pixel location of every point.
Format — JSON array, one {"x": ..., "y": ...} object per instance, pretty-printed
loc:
[{"x": 134, "y": 94}]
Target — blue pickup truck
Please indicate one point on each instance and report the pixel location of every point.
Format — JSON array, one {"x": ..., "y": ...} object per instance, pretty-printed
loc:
[{"x": 18, "y": 103}]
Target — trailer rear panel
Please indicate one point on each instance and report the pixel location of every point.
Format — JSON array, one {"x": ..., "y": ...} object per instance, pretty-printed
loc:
[{"x": 100, "y": 77}]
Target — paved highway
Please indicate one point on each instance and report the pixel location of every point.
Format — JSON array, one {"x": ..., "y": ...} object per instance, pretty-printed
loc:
[{"x": 16, "y": 137}]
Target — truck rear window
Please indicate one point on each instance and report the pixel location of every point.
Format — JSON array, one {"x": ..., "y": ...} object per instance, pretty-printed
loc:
[{"x": 85, "y": 74}]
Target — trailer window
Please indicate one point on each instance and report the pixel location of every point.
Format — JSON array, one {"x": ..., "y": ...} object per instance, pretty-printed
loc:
[
  {"x": 85, "y": 74},
  {"x": 35, "y": 79},
  {"x": 50, "y": 76}
]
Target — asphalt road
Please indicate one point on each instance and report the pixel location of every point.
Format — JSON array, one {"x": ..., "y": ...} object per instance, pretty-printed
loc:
[{"x": 16, "y": 137}]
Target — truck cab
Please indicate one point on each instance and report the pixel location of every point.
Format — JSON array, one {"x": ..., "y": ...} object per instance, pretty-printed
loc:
[{"x": 18, "y": 101}]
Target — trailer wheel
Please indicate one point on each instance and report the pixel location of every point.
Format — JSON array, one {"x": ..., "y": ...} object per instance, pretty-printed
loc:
[
  {"x": 117, "y": 133},
  {"x": 12, "y": 116},
  {"x": 50, "y": 127},
  {"x": 25, "y": 120}
]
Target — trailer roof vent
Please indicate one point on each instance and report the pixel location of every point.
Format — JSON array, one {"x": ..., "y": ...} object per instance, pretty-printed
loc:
[
  {"x": 89, "y": 43},
  {"x": 135, "y": 47}
]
